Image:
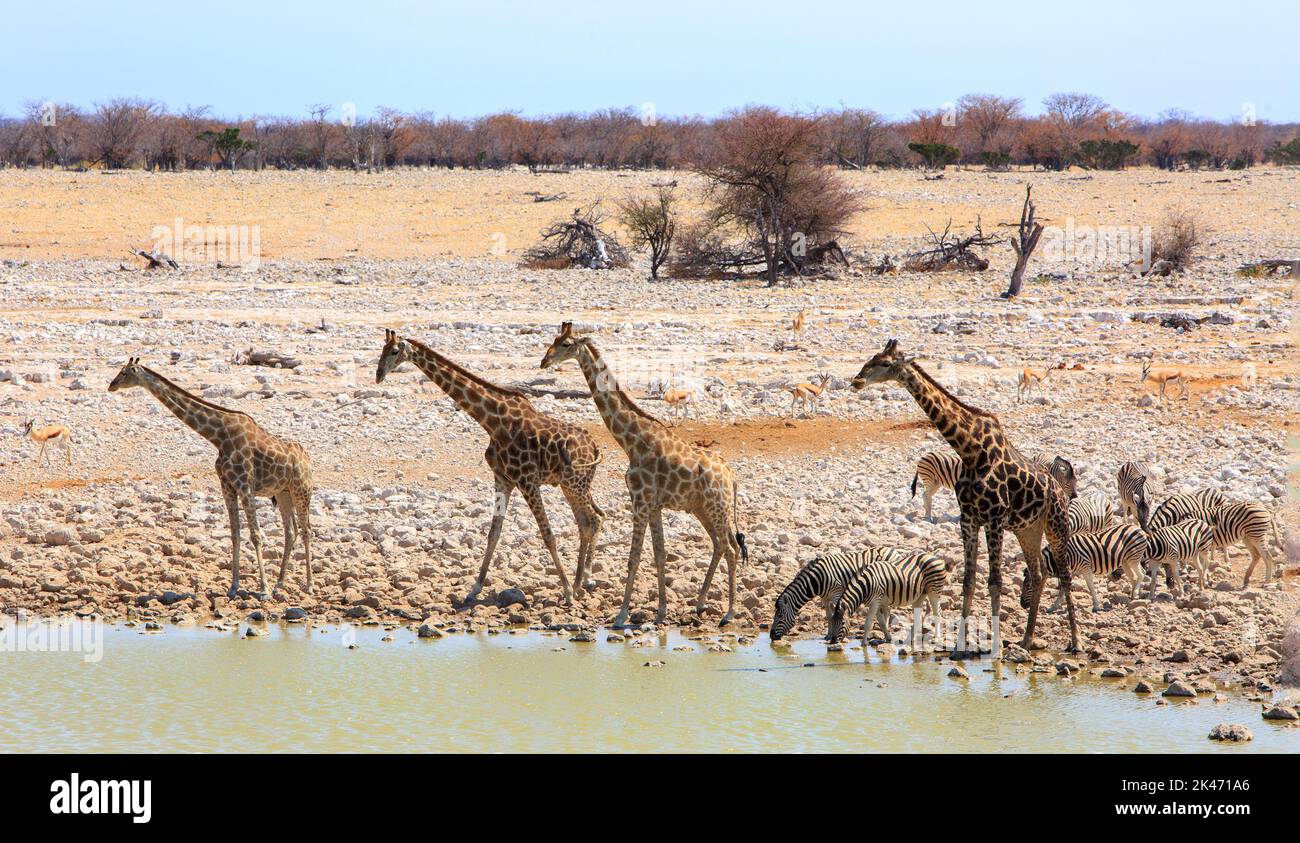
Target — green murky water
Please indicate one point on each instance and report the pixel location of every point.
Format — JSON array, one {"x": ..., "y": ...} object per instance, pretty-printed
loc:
[{"x": 301, "y": 689}]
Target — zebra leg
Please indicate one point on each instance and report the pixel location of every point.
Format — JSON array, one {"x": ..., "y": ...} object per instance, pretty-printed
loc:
[
  {"x": 1089, "y": 576},
  {"x": 936, "y": 619},
  {"x": 929, "y": 496},
  {"x": 918, "y": 612},
  {"x": 873, "y": 609}
]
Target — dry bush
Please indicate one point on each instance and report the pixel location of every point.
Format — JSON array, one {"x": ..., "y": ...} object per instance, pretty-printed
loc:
[
  {"x": 772, "y": 202},
  {"x": 652, "y": 223},
  {"x": 578, "y": 241},
  {"x": 1177, "y": 239}
]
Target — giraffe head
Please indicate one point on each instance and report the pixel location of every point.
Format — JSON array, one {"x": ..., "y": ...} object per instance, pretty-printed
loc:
[
  {"x": 564, "y": 347},
  {"x": 132, "y": 374},
  {"x": 396, "y": 352},
  {"x": 885, "y": 366}
]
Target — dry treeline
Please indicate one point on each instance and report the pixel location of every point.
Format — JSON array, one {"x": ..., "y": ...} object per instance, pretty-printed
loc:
[{"x": 979, "y": 129}]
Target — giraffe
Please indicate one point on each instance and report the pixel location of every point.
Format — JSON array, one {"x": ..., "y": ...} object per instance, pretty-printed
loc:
[
  {"x": 250, "y": 463},
  {"x": 663, "y": 473},
  {"x": 527, "y": 450},
  {"x": 998, "y": 489}
]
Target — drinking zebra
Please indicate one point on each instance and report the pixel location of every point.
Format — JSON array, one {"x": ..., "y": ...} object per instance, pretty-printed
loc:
[
  {"x": 1122, "y": 548},
  {"x": 824, "y": 578},
  {"x": 1091, "y": 514},
  {"x": 1132, "y": 482},
  {"x": 912, "y": 580}
]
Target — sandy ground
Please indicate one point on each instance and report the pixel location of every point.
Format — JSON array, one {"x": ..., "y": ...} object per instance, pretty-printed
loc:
[{"x": 404, "y": 496}]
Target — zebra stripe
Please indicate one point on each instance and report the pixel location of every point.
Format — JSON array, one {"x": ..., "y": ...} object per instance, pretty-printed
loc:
[
  {"x": 1202, "y": 505},
  {"x": 1247, "y": 524},
  {"x": 911, "y": 580},
  {"x": 1132, "y": 480},
  {"x": 1122, "y": 548},
  {"x": 1191, "y": 540},
  {"x": 937, "y": 470},
  {"x": 1091, "y": 514},
  {"x": 824, "y": 578}
]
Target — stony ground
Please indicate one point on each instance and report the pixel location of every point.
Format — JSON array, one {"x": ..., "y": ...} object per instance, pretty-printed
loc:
[{"x": 136, "y": 526}]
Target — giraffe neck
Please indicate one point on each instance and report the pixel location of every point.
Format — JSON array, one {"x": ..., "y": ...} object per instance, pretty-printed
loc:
[
  {"x": 616, "y": 408},
  {"x": 479, "y": 399},
  {"x": 956, "y": 422},
  {"x": 207, "y": 420}
]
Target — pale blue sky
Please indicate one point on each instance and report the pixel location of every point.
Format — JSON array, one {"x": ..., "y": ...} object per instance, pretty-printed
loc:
[{"x": 465, "y": 59}]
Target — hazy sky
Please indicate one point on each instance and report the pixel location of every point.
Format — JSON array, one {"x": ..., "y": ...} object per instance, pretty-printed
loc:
[{"x": 272, "y": 57}]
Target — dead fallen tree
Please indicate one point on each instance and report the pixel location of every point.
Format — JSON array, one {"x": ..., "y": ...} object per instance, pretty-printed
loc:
[
  {"x": 1260, "y": 269},
  {"x": 158, "y": 260},
  {"x": 269, "y": 359},
  {"x": 577, "y": 241},
  {"x": 546, "y": 197},
  {"x": 951, "y": 251}
]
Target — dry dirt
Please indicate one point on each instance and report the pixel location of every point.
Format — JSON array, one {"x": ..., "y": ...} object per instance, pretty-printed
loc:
[{"x": 403, "y": 493}]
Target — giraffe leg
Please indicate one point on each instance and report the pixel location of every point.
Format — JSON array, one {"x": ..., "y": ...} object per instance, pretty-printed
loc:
[
  {"x": 709, "y": 574},
  {"x": 232, "y": 511},
  {"x": 302, "y": 515},
  {"x": 285, "y": 504},
  {"x": 587, "y": 517},
  {"x": 250, "y": 511},
  {"x": 970, "y": 550},
  {"x": 661, "y": 559},
  {"x": 533, "y": 495},
  {"x": 993, "y": 535},
  {"x": 640, "y": 519},
  {"x": 502, "y": 504},
  {"x": 1031, "y": 545},
  {"x": 733, "y": 560}
]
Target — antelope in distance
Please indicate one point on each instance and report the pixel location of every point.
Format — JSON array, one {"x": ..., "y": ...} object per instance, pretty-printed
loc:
[
  {"x": 796, "y": 327},
  {"x": 1029, "y": 380},
  {"x": 808, "y": 394},
  {"x": 56, "y": 433},
  {"x": 680, "y": 400},
  {"x": 1165, "y": 378}
]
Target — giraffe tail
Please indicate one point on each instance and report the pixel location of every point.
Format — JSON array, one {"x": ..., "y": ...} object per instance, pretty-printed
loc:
[{"x": 735, "y": 519}]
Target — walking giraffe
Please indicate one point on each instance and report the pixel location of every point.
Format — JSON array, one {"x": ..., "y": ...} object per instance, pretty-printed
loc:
[
  {"x": 998, "y": 489},
  {"x": 527, "y": 450},
  {"x": 250, "y": 463},
  {"x": 663, "y": 472}
]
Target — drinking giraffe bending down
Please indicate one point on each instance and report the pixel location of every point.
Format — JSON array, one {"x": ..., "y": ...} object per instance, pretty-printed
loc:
[
  {"x": 250, "y": 463},
  {"x": 527, "y": 450},
  {"x": 663, "y": 472},
  {"x": 998, "y": 489}
]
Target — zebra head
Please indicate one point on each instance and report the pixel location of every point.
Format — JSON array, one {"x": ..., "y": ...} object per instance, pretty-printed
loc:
[
  {"x": 1045, "y": 569},
  {"x": 1140, "y": 499},
  {"x": 835, "y": 632},
  {"x": 787, "y": 614}
]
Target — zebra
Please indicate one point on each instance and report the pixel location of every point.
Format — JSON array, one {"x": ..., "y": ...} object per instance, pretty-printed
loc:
[
  {"x": 1091, "y": 514},
  {"x": 1202, "y": 505},
  {"x": 937, "y": 470},
  {"x": 1132, "y": 482},
  {"x": 911, "y": 580},
  {"x": 824, "y": 578},
  {"x": 1119, "y": 549},
  {"x": 1187, "y": 541},
  {"x": 1248, "y": 524}
]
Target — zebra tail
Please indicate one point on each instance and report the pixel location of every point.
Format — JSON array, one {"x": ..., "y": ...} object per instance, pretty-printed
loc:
[{"x": 915, "y": 477}]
